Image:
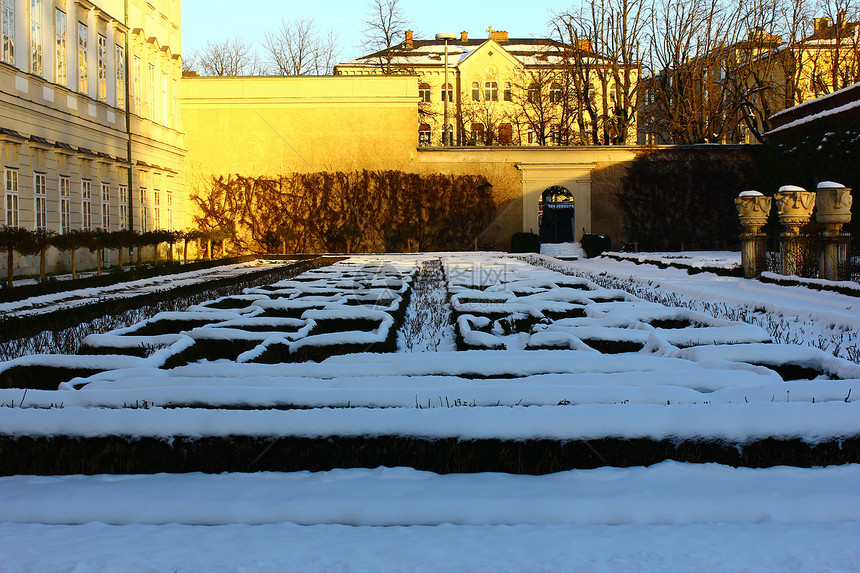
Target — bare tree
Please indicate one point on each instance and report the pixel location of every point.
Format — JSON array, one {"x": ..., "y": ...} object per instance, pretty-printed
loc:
[
  {"x": 298, "y": 49},
  {"x": 231, "y": 57},
  {"x": 385, "y": 26}
]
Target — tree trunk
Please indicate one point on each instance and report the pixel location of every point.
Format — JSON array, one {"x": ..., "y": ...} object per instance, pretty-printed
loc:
[
  {"x": 185, "y": 252},
  {"x": 98, "y": 262},
  {"x": 209, "y": 249},
  {"x": 121, "y": 249},
  {"x": 139, "y": 255},
  {"x": 74, "y": 261},
  {"x": 10, "y": 261},
  {"x": 155, "y": 254},
  {"x": 43, "y": 253}
]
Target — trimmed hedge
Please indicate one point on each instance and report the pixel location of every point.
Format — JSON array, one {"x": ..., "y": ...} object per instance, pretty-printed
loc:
[{"x": 64, "y": 455}]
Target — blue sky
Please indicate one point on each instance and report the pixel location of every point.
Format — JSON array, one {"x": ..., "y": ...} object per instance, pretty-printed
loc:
[{"x": 219, "y": 19}]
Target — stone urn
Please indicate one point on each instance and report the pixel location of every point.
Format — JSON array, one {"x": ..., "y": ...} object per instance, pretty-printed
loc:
[
  {"x": 753, "y": 210},
  {"x": 794, "y": 206},
  {"x": 834, "y": 206}
]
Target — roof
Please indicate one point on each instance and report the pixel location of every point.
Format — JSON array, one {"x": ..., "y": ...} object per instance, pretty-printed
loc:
[{"x": 528, "y": 51}]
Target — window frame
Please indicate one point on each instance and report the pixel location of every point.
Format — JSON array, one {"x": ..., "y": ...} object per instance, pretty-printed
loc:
[
  {"x": 11, "y": 197},
  {"x": 86, "y": 204},
  {"x": 119, "y": 71},
  {"x": 64, "y": 191},
  {"x": 106, "y": 204},
  {"x": 508, "y": 92},
  {"x": 40, "y": 201},
  {"x": 143, "y": 208},
  {"x": 7, "y": 31},
  {"x": 101, "y": 42},
  {"x": 83, "y": 70},
  {"x": 138, "y": 70},
  {"x": 491, "y": 90},
  {"x": 60, "y": 47},
  {"x": 424, "y": 92},
  {"x": 123, "y": 206},
  {"x": 477, "y": 133},
  {"x": 36, "y": 62},
  {"x": 425, "y": 135},
  {"x": 447, "y": 91},
  {"x": 476, "y": 91}
]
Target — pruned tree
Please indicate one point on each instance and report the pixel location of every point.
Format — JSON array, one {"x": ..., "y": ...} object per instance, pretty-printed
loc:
[
  {"x": 298, "y": 49},
  {"x": 230, "y": 57}
]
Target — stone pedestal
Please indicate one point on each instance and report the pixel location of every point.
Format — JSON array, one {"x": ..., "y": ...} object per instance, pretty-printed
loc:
[
  {"x": 753, "y": 210},
  {"x": 794, "y": 206},
  {"x": 834, "y": 210}
]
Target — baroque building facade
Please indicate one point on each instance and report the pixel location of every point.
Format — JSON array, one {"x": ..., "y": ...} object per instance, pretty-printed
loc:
[
  {"x": 507, "y": 91},
  {"x": 90, "y": 125}
]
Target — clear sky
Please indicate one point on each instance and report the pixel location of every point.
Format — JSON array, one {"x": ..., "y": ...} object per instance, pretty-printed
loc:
[{"x": 204, "y": 20}]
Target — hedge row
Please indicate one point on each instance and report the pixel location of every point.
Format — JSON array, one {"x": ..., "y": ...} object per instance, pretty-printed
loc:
[{"x": 62, "y": 455}]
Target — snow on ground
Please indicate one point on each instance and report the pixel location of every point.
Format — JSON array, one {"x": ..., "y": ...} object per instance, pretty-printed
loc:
[
  {"x": 693, "y": 259},
  {"x": 668, "y": 517},
  {"x": 563, "y": 250}
]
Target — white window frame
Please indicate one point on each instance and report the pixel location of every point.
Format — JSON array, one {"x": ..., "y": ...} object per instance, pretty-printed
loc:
[
  {"x": 65, "y": 192},
  {"x": 151, "y": 102},
  {"x": 142, "y": 205},
  {"x": 425, "y": 135},
  {"x": 491, "y": 91},
  {"x": 7, "y": 31},
  {"x": 36, "y": 37},
  {"x": 10, "y": 191},
  {"x": 476, "y": 91},
  {"x": 106, "y": 206},
  {"x": 86, "y": 204},
  {"x": 447, "y": 92},
  {"x": 60, "y": 70},
  {"x": 164, "y": 99},
  {"x": 168, "y": 194},
  {"x": 424, "y": 92},
  {"x": 83, "y": 71},
  {"x": 119, "y": 53},
  {"x": 40, "y": 201},
  {"x": 123, "y": 206},
  {"x": 102, "y": 66},
  {"x": 137, "y": 89}
]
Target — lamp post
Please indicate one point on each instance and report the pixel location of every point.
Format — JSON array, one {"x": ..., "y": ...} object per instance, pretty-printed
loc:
[{"x": 445, "y": 134}]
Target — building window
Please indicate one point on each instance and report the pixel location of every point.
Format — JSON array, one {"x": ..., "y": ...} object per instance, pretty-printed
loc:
[
  {"x": 447, "y": 93},
  {"x": 86, "y": 204},
  {"x": 491, "y": 91},
  {"x": 175, "y": 100},
  {"x": 424, "y": 135},
  {"x": 36, "y": 37},
  {"x": 151, "y": 102},
  {"x": 169, "y": 208},
  {"x": 137, "y": 93},
  {"x": 508, "y": 94},
  {"x": 7, "y": 15},
  {"x": 102, "y": 62},
  {"x": 476, "y": 91},
  {"x": 65, "y": 204},
  {"x": 531, "y": 137},
  {"x": 11, "y": 189},
  {"x": 82, "y": 58},
  {"x": 164, "y": 99},
  {"x": 106, "y": 206},
  {"x": 533, "y": 93},
  {"x": 506, "y": 134},
  {"x": 424, "y": 93},
  {"x": 123, "y": 206},
  {"x": 60, "y": 33},
  {"x": 120, "y": 77},
  {"x": 448, "y": 135},
  {"x": 40, "y": 193},
  {"x": 477, "y": 133},
  {"x": 156, "y": 209},
  {"x": 142, "y": 210},
  {"x": 554, "y": 93}
]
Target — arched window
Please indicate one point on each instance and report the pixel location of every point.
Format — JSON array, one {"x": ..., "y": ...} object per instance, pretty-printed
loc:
[
  {"x": 534, "y": 93},
  {"x": 447, "y": 92},
  {"x": 554, "y": 93},
  {"x": 424, "y": 135},
  {"x": 491, "y": 91},
  {"x": 424, "y": 92},
  {"x": 476, "y": 91},
  {"x": 508, "y": 94},
  {"x": 477, "y": 133}
]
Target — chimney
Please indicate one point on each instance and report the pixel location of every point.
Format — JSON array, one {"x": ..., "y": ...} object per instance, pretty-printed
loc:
[
  {"x": 584, "y": 45},
  {"x": 499, "y": 35},
  {"x": 820, "y": 25},
  {"x": 408, "y": 44},
  {"x": 464, "y": 36}
]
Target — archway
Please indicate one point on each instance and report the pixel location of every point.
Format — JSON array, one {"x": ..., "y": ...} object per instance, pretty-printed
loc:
[{"x": 556, "y": 215}]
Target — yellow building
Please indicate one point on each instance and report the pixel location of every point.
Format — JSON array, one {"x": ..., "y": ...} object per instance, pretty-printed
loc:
[
  {"x": 501, "y": 90},
  {"x": 89, "y": 122}
]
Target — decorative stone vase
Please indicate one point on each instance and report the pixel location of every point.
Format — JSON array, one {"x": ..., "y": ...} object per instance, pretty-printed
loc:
[
  {"x": 794, "y": 206},
  {"x": 753, "y": 210}
]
